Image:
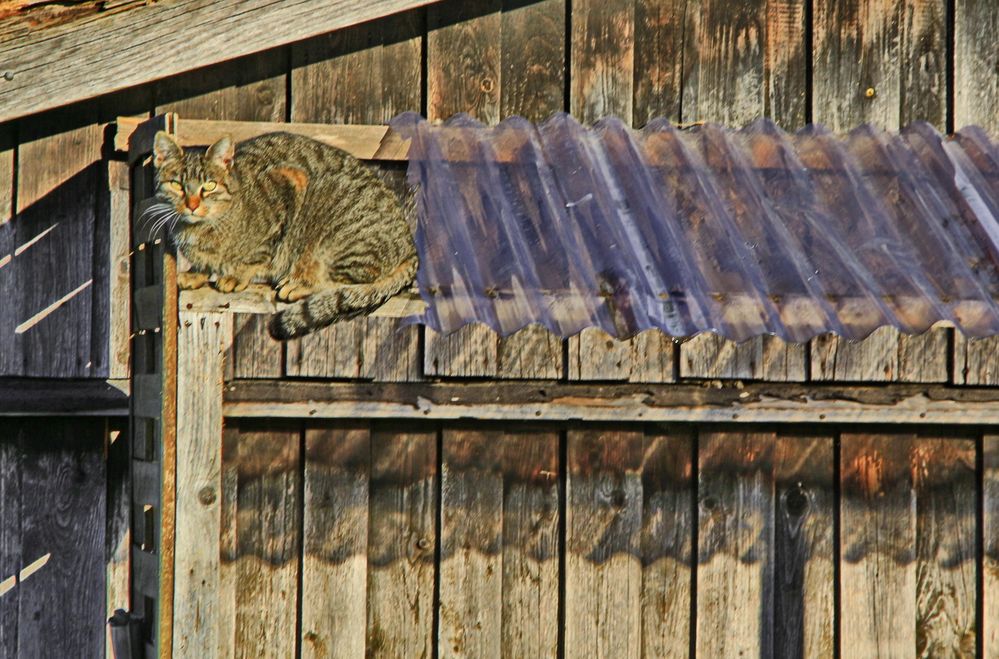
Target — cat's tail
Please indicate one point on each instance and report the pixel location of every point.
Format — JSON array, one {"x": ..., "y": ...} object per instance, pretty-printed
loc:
[{"x": 342, "y": 302}]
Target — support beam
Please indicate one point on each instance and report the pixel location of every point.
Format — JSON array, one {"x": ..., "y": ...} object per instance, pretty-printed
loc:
[
  {"x": 50, "y": 65},
  {"x": 550, "y": 401}
]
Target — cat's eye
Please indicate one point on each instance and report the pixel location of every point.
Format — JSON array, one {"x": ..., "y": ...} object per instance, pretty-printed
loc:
[
  {"x": 209, "y": 186},
  {"x": 175, "y": 186}
]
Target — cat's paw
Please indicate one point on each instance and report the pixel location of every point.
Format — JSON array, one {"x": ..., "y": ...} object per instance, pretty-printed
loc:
[
  {"x": 190, "y": 280},
  {"x": 230, "y": 284},
  {"x": 292, "y": 290}
]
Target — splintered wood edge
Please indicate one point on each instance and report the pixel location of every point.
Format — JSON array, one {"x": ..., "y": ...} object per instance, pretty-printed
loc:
[
  {"x": 259, "y": 298},
  {"x": 366, "y": 142}
]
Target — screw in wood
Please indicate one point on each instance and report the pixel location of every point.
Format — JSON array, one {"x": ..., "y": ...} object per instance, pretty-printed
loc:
[{"x": 870, "y": 92}]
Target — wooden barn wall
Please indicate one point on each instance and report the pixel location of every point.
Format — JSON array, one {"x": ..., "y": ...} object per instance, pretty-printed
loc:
[
  {"x": 358, "y": 538},
  {"x": 888, "y": 62}
]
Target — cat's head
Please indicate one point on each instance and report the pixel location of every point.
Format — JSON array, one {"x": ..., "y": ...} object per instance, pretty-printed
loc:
[{"x": 198, "y": 186}]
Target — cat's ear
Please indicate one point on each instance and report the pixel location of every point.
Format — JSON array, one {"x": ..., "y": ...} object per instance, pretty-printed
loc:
[
  {"x": 221, "y": 153},
  {"x": 165, "y": 148}
]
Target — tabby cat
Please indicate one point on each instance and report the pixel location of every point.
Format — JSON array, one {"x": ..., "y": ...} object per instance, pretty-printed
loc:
[{"x": 301, "y": 215}]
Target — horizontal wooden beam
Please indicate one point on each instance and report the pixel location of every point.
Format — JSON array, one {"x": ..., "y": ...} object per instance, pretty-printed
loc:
[
  {"x": 49, "y": 65},
  {"x": 540, "y": 401},
  {"x": 34, "y": 397},
  {"x": 367, "y": 142},
  {"x": 259, "y": 298}
]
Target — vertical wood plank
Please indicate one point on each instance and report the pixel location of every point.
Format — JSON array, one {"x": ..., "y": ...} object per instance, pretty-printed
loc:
[
  {"x": 11, "y": 558},
  {"x": 735, "y": 552},
  {"x": 402, "y": 534},
  {"x": 198, "y": 613},
  {"x": 266, "y": 522},
  {"x": 463, "y": 60},
  {"x": 254, "y": 353},
  {"x": 530, "y": 544},
  {"x": 976, "y": 361},
  {"x": 976, "y": 89},
  {"x": 53, "y": 240},
  {"x": 874, "y": 359},
  {"x": 878, "y": 544},
  {"x": 923, "y": 358},
  {"x": 990, "y": 550},
  {"x": 334, "y": 558},
  {"x": 708, "y": 355},
  {"x": 7, "y": 179},
  {"x": 532, "y": 55},
  {"x": 603, "y": 59},
  {"x": 603, "y": 568},
  {"x": 804, "y": 537},
  {"x": 118, "y": 537},
  {"x": 119, "y": 267},
  {"x": 365, "y": 74},
  {"x": 471, "y": 569},
  {"x": 470, "y": 351},
  {"x": 646, "y": 357},
  {"x": 946, "y": 563},
  {"x": 667, "y": 543},
  {"x": 660, "y": 27},
  {"x": 63, "y": 506}
]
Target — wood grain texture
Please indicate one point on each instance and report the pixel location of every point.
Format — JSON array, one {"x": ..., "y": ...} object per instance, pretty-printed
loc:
[
  {"x": 254, "y": 353},
  {"x": 60, "y": 65},
  {"x": 260, "y": 524},
  {"x": 886, "y": 355},
  {"x": 976, "y": 89},
  {"x": 946, "y": 562},
  {"x": 366, "y": 75},
  {"x": 50, "y": 330},
  {"x": 603, "y": 59},
  {"x": 762, "y": 358},
  {"x": 603, "y": 567},
  {"x": 8, "y": 146},
  {"x": 530, "y": 554},
  {"x": 119, "y": 278},
  {"x": 646, "y": 357},
  {"x": 463, "y": 60},
  {"x": 660, "y": 29},
  {"x": 735, "y": 544},
  {"x": 667, "y": 543},
  {"x": 198, "y": 615},
  {"x": 743, "y": 60},
  {"x": 878, "y": 544},
  {"x": 335, "y": 550},
  {"x": 894, "y": 48},
  {"x": 532, "y": 58},
  {"x": 804, "y": 538},
  {"x": 976, "y": 361},
  {"x": 471, "y": 351},
  {"x": 11, "y": 558},
  {"x": 990, "y": 549},
  {"x": 118, "y": 537},
  {"x": 471, "y": 568},
  {"x": 402, "y": 534},
  {"x": 63, "y": 506}
]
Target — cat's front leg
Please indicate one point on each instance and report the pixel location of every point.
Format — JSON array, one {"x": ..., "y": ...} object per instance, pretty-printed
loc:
[{"x": 190, "y": 280}]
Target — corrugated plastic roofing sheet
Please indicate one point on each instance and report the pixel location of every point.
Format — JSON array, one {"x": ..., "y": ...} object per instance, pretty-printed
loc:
[{"x": 741, "y": 232}]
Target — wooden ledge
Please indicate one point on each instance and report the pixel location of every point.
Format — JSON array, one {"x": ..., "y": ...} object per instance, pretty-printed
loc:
[
  {"x": 551, "y": 401},
  {"x": 259, "y": 298},
  {"x": 43, "y": 396},
  {"x": 367, "y": 142}
]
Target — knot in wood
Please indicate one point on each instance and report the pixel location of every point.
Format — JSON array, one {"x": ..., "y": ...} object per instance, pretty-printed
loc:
[
  {"x": 796, "y": 500},
  {"x": 487, "y": 85},
  {"x": 206, "y": 495},
  {"x": 423, "y": 544}
]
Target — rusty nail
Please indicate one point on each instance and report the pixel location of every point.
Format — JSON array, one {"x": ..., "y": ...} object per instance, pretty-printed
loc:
[{"x": 871, "y": 92}]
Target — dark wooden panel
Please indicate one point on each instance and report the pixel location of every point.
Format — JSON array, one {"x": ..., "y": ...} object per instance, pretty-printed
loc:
[
  {"x": 335, "y": 551},
  {"x": 63, "y": 511},
  {"x": 48, "y": 330},
  {"x": 532, "y": 57},
  {"x": 254, "y": 353},
  {"x": 10, "y": 533},
  {"x": 62, "y": 396},
  {"x": 402, "y": 535},
  {"x": 603, "y": 56},
  {"x": 660, "y": 28},
  {"x": 990, "y": 548},
  {"x": 735, "y": 544}
]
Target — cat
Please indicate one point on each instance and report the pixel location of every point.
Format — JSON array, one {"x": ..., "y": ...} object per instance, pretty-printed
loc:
[{"x": 304, "y": 216}]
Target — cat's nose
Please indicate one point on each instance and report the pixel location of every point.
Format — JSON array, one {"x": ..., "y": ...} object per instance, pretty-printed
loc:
[{"x": 193, "y": 202}]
